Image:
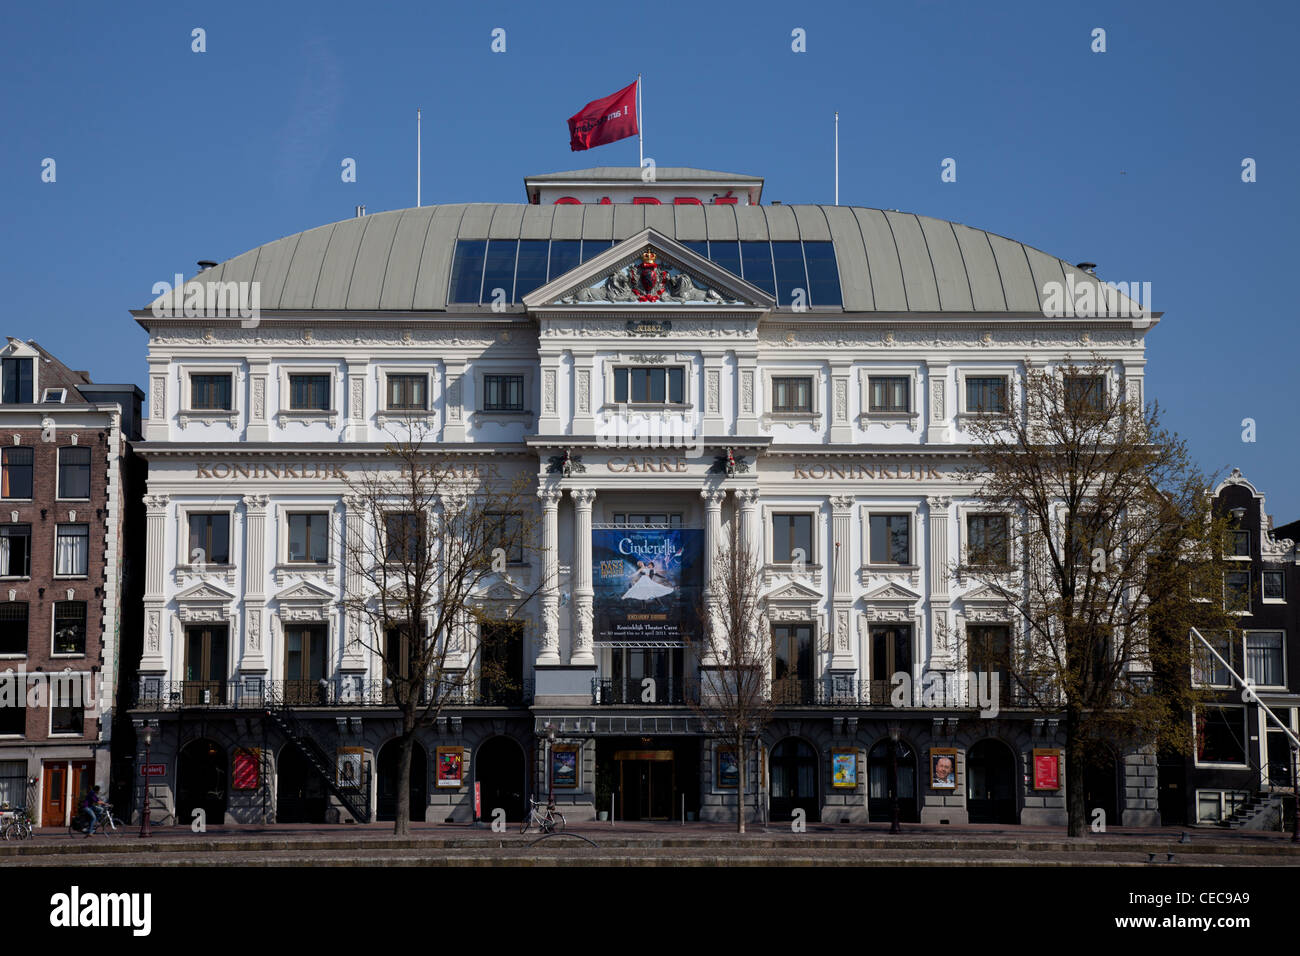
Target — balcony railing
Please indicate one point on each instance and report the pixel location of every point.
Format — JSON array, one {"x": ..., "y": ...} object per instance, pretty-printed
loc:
[
  {"x": 630, "y": 690},
  {"x": 257, "y": 693}
]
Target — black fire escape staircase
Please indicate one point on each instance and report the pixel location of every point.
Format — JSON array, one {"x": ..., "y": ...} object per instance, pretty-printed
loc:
[{"x": 355, "y": 801}]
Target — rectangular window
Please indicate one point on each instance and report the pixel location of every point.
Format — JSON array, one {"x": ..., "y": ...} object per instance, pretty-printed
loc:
[
  {"x": 15, "y": 550},
  {"x": 650, "y": 518},
  {"x": 17, "y": 388},
  {"x": 987, "y": 395},
  {"x": 504, "y": 531},
  {"x": 74, "y": 473},
  {"x": 792, "y": 663},
  {"x": 987, "y": 542},
  {"x": 13, "y": 627},
  {"x": 467, "y": 271},
  {"x": 530, "y": 273},
  {"x": 656, "y": 385},
  {"x": 13, "y": 717},
  {"x": 823, "y": 273},
  {"x": 16, "y": 472},
  {"x": 1090, "y": 536},
  {"x": 499, "y": 271},
  {"x": 1264, "y": 664},
  {"x": 55, "y": 396},
  {"x": 309, "y": 537},
  {"x": 69, "y": 627},
  {"x": 891, "y": 394},
  {"x": 989, "y": 652},
  {"x": 408, "y": 392},
  {"x": 1236, "y": 591},
  {"x": 1240, "y": 543},
  {"x": 566, "y": 254},
  {"x": 68, "y": 720},
  {"x": 791, "y": 279},
  {"x": 792, "y": 538},
  {"x": 503, "y": 393},
  {"x": 891, "y": 653},
  {"x": 1220, "y": 734},
  {"x": 210, "y": 392},
  {"x": 1085, "y": 392},
  {"x": 1209, "y": 670},
  {"x": 209, "y": 540},
  {"x": 13, "y": 782},
  {"x": 403, "y": 539},
  {"x": 309, "y": 393},
  {"x": 72, "y": 550},
  {"x": 1272, "y": 585},
  {"x": 890, "y": 539},
  {"x": 726, "y": 253},
  {"x": 792, "y": 394},
  {"x": 756, "y": 259}
]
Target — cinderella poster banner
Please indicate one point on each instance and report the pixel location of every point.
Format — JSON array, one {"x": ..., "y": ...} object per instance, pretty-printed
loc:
[{"x": 647, "y": 583}]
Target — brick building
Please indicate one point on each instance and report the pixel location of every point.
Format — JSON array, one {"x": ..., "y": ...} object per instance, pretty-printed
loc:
[{"x": 66, "y": 471}]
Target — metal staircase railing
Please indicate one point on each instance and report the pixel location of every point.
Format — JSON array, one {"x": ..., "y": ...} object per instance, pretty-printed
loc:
[{"x": 356, "y": 802}]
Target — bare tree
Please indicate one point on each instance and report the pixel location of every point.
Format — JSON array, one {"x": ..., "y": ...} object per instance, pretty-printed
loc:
[
  {"x": 1099, "y": 532},
  {"x": 435, "y": 535},
  {"x": 735, "y": 700}
]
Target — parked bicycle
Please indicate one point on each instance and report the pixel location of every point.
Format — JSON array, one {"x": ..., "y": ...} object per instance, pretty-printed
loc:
[
  {"x": 16, "y": 824},
  {"x": 110, "y": 823},
  {"x": 545, "y": 817}
]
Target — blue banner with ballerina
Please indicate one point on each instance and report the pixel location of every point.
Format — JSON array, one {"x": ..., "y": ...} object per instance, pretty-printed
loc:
[{"x": 647, "y": 583}]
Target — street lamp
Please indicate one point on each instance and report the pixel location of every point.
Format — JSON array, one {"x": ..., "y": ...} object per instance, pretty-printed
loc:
[
  {"x": 550, "y": 769},
  {"x": 145, "y": 830},
  {"x": 894, "y": 733}
]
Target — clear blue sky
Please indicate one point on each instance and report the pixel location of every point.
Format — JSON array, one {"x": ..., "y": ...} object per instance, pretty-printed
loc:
[{"x": 1129, "y": 158}]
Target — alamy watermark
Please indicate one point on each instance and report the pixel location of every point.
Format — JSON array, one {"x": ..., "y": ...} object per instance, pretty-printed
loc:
[
  {"x": 636, "y": 430},
  {"x": 38, "y": 690},
  {"x": 982, "y": 689},
  {"x": 210, "y": 299},
  {"x": 1093, "y": 298}
]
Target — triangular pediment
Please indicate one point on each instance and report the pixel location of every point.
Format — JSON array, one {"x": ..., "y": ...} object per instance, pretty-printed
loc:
[
  {"x": 204, "y": 591},
  {"x": 649, "y": 270},
  {"x": 984, "y": 594},
  {"x": 794, "y": 592},
  {"x": 892, "y": 591},
  {"x": 305, "y": 591},
  {"x": 503, "y": 590}
]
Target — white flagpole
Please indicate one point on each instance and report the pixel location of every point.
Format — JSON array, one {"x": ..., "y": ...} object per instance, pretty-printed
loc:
[
  {"x": 417, "y": 158},
  {"x": 837, "y": 157},
  {"x": 640, "y": 142}
]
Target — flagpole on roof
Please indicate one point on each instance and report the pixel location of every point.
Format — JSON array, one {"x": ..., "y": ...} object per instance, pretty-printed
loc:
[
  {"x": 837, "y": 157},
  {"x": 417, "y": 158},
  {"x": 640, "y": 143}
]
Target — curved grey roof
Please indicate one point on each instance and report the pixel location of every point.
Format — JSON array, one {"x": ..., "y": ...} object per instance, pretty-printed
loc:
[{"x": 888, "y": 261}]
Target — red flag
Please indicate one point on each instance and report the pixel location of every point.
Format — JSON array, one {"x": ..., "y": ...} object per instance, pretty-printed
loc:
[{"x": 605, "y": 120}]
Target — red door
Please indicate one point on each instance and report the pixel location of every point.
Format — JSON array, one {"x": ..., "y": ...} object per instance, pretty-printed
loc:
[{"x": 55, "y": 795}]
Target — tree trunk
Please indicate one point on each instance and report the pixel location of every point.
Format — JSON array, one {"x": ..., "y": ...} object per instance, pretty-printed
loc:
[
  {"x": 1076, "y": 809},
  {"x": 740, "y": 787},
  {"x": 402, "y": 823}
]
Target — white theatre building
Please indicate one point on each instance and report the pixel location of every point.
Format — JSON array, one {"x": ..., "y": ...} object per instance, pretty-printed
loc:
[{"x": 806, "y": 371}]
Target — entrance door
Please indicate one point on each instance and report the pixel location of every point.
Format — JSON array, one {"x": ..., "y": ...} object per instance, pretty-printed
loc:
[
  {"x": 501, "y": 771},
  {"x": 1277, "y": 758},
  {"x": 891, "y": 653},
  {"x": 792, "y": 665},
  {"x": 794, "y": 780},
  {"x": 501, "y": 663},
  {"x": 991, "y": 783},
  {"x": 300, "y": 795},
  {"x": 304, "y": 663},
  {"x": 1172, "y": 777},
  {"x": 388, "y": 765},
  {"x": 1101, "y": 786},
  {"x": 55, "y": 795},
  {"x": 201, "y": 782},
  {"x": 879, "y": 804},
  {"x": 205, "y": 665},
  {"x": 647, "y": 784}
]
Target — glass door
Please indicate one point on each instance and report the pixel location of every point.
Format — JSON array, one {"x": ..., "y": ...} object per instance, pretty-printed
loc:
[
  {"x": 205, "y": 665},
  {"x": 891, "y": 653},
  {"x": 305, "y": 664}
]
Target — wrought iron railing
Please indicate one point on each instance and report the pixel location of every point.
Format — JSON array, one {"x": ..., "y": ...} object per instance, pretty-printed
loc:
[
  {"x": 346, "y": 691},
  {"x": 634, "y": 690}
]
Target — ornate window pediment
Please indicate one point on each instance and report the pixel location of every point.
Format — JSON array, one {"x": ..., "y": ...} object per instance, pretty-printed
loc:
[
  {"x": 793, "y": 601},
  {"x": 204, "y": 601},
  {"x": 985, "y": 604},
  {"x": 891, "y": 602},
  {"x": 305, "y": 601}
]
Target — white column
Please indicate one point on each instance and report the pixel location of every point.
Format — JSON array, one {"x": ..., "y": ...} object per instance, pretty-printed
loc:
[
  {"x": 354, "y": 653},
  {"x": 355, "y": 419},
  {"x": 841, "y": 427},
  {"x": 155, "y": 657},
  {"x": 941, "y": 645},
  {"x": 550, "y": 650},
  {"x": 582, "y": 591},
  {"x": 253, "y": 659},
  {"x": 454, "y": 400},
  {"x": 750, "y": 530},
  {"x": 942, "y": 403},
  {"x": 259, "y": 397},
  {"x": 842, "y": 581},
  {"x": 712, "y": 541}
]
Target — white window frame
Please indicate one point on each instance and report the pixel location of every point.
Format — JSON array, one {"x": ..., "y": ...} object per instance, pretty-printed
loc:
[
  {"x": 183, "y": 532},
  {"x": 1198, "y": 648},
  {"x": 53, "y": 620},
  {"x": 913, "y": 511},
  {"x": 1250, "y": 598},
  {"x": 24, "y": 654},
  {"x": 283, "y": 511},
  {"x": 1245, "y": 737},
  {"x": 911, "y": 418},
  {"x": 31, "y": 533},
  {"x": 640, "y": 360},
  {"x": 47, "y": 399},
  {"x": 21, "y": 350},
  {"x": 964, "y": 513},
  {"x": 63, "y": 524},
  {"x": 1245, "y": 656},
  {"x": 230, "y": 416},
  {"x": 49, "y": 689},
  {"x": 1268, "y": 600},
  {"x": 382, "y": 532},
  {"x": 58, "y": 469},
  {"x": 384, "y": 414},
  {"x": 767, "y": 399},
  {"x": 31, "y": 448},
  {"x": 476, "y": 377},
  {"x": 1010, "y": 372},
  {"x": 308, "y": 416},
  {"x": 1224, "y": 811},
  {"x": 770, "y": 511},
  {"x": 1108, "y": 377}
]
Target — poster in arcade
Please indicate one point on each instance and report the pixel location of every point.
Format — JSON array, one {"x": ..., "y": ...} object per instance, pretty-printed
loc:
[{"x": 647, "y": 583}]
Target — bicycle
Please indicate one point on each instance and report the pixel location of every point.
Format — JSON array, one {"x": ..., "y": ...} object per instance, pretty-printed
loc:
[
  {"x": 18, "y": 826},
  {"x": 109, "y": 824},
  {"x": 545, "y": 816}
]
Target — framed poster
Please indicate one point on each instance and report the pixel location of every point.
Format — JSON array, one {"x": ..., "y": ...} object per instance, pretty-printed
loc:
[
  {"x": 564, "y": 766},
  {"x": 246, "y": 774},
  {"x": 647, "y": 583},
  {"x": 451, "y": 767},
  {"x": 726, "y": 768},
  {"x": 349, "y": 767},
  {"x": 943, "y": 768},
  {"x": 844, "y": 768},
  {"x": 1047, "y": 769}
]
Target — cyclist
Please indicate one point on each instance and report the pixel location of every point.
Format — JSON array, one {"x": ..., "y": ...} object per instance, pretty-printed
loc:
[{"x": 95, "y": 806}]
